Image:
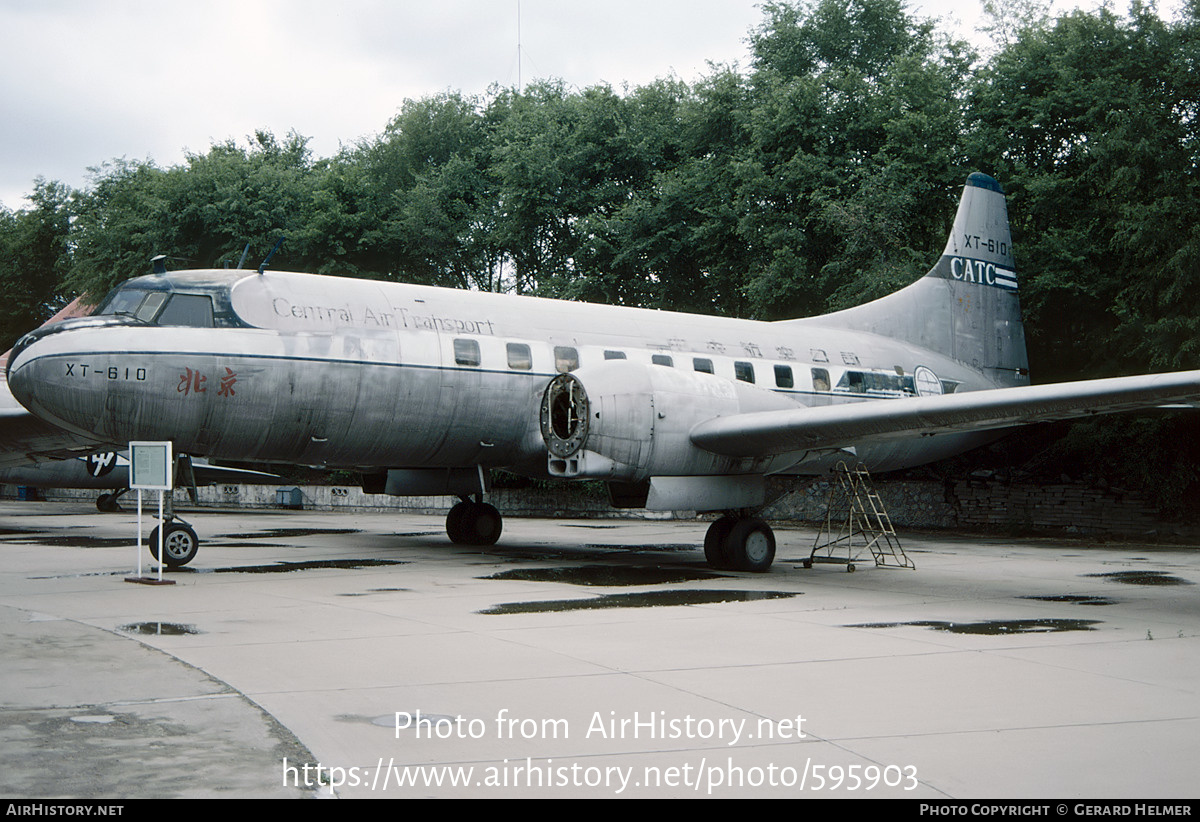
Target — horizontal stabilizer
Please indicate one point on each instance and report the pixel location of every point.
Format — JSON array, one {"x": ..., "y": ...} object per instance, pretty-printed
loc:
[{"x": 838, "y": 426}]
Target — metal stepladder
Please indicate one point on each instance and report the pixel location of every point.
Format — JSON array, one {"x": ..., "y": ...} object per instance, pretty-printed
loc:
[{"x": 862, "y": 524}]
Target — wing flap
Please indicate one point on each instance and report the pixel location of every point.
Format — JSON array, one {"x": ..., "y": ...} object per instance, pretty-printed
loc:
[{"x": 849, "y": 424}]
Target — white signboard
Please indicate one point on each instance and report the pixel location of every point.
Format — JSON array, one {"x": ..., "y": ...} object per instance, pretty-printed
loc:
[{"x": 150, "y": 466}]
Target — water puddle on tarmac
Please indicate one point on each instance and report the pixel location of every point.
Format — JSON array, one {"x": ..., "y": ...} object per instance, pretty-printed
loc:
[
  {"x": 76, "y": 541},
  {"x": 605, "y": 575},
  {"x": 1075, "y": 599},
  {"x": 300, "y": 565},
  {"x": 649, "y": 599},
  {"x": 370, "y": 591},
  {"x": 285, "y": 533},
  {"x": 660, "y": 548},
  {"x": 993, "y": 627},
  {"x": 1143, "y": 578},
  {"x": 158, "y": 629}
]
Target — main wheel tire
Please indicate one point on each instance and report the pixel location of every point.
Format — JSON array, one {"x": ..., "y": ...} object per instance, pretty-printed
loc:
[
  {"x": 455, "y": 523},
  {"x": 714, "y": 543},
  {"x": 180, "y": 544},
  {"x": 484, "y": 524},
  {"x": 750, "y": 545},
  {"x": 474, "y": 523}
]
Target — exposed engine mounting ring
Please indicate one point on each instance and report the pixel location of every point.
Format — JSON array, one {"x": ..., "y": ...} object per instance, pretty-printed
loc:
[{"x": 564, "y": 415}]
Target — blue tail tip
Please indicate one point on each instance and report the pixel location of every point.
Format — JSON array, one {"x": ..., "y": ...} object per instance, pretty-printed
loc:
[{"x": 981, "y": 180}]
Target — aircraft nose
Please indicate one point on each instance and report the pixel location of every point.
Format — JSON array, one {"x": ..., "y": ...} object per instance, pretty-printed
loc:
[
  {"x": 27, "y": 375},
  {"x": 43, "y": 375}
]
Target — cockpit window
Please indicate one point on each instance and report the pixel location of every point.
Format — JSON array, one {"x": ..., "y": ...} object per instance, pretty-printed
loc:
[
  {"x": 161, "y": 307},
  {"x": 123, "y": 301},
  {"x": 192, "y": 310},
  {"x": 149, "y": 307}
]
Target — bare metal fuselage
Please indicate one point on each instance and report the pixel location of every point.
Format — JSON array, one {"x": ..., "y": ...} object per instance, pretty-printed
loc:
[{"x": 341, "y": 372}]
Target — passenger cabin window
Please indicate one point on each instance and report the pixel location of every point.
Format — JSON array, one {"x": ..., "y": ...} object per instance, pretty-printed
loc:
[
  {"x": 744, "y": 371},
  {"x": 519, "y": 357},
  {"x": 466, "y": 352},
  {"x": 703, "y": 365},
  {"x": 783, "y": 377},
  {"x": 191, "y": 310},
  {"x": 614, "y": 355},
  {"x": 820, "y": 378},
  {"x": 862, "y": 382},
  {"x": 662, "y": 359},
  {"x": 566, "y": 358}
]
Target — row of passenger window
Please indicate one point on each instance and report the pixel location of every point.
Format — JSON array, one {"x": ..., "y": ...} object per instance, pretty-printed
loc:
[{"x": 566, "y": 358}]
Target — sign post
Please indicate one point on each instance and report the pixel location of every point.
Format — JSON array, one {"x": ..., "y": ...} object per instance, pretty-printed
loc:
[{"x": 150, "y": 465}]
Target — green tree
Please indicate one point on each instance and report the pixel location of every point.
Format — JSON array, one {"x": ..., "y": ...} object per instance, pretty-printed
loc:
[
  {"x": 34, "y": 257},
  {"x": 200, "y": 214},
  {"x": 1091, "y": 122}
]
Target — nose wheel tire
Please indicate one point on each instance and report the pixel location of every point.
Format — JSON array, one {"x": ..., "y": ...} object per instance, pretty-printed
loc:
[{"x": 180, "y": 544}]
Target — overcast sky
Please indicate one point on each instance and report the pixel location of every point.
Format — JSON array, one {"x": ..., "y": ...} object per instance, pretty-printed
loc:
[{"x": 87, "y": 81}]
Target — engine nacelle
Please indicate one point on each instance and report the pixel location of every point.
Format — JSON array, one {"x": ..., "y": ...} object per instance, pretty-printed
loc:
[{"x": 628, "y": 421}]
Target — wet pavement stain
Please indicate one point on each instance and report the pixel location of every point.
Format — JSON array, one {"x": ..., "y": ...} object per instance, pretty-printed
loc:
[
  {"x": 1143, "y": 578},
  {"x": 649, "y": 599},
  {"x": 584, "y": 553},
  {"x": 370, "y": 591},
  {"x": 78, "y": 541},
  {"x": 285, "y": 533},
  {"x": 303, "y": 565},
  {"x": 667, "y": 548},
  {"x": 248, "y": 544},
  {"x": 159, "y": 629},
  {"x": 414, "y": 720},
  {"x": 993, "y": 627},
  {"x": 1075, "y": 599},
  {"x": 274, "y": 568},
  {"x": 605, "y": 575}
]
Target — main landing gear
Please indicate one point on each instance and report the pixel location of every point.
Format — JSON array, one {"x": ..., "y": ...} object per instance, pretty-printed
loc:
[
  {"x": 474, "y": 522},
  {"x": 736, "y": 543}
]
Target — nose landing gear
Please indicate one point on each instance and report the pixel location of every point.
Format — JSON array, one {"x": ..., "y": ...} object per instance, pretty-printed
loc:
[{"x": 179, "y": 543}]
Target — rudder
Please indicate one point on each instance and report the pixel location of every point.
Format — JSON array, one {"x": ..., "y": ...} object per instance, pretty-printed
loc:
[{"x": 967, "y": 306}]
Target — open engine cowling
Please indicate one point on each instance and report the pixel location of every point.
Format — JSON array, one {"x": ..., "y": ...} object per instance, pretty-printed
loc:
[{"x": 629, "y": 421}]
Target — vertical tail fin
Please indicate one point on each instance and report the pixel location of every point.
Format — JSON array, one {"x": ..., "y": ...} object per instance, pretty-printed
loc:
[{"x": 967, "y": 306}]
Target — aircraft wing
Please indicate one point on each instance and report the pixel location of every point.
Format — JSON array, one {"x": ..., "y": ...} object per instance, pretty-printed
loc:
[{"x": 765, "y": 433}]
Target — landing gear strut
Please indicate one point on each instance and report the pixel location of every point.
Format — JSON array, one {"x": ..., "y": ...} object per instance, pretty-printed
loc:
[
  {"x": 179, "y": 540},
  {"x": 107, "y": 503},
  {"x": 739, "y": 544},
  {"x": 474, "y": 522}
]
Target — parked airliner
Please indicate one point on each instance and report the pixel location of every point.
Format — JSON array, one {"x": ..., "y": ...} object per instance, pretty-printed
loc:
[{"x": 425, "y": 389}]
